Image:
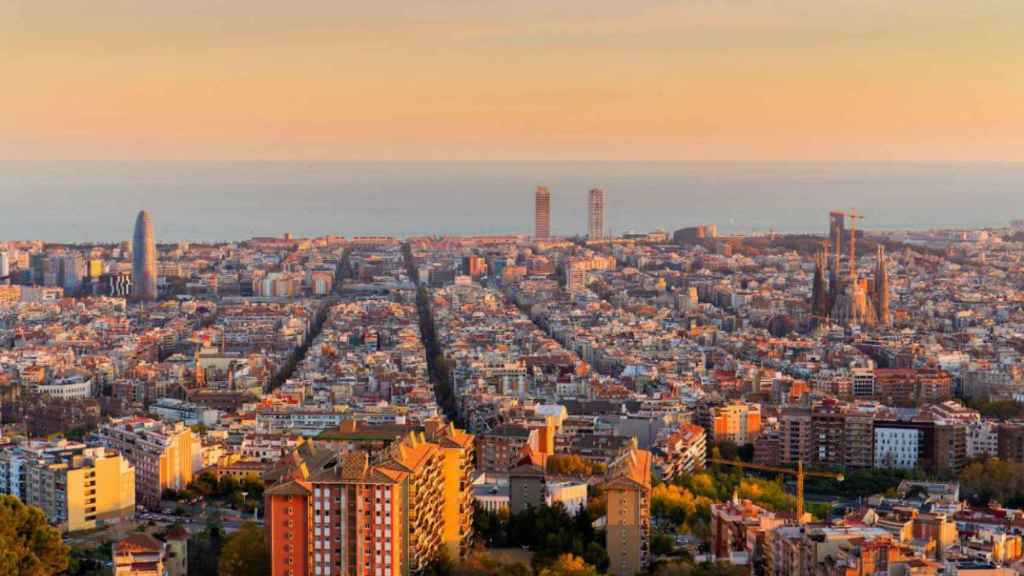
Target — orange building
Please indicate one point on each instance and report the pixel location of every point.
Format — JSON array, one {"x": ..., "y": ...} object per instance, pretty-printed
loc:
[
  {"x": 336, "y": 513},
  {"x": 739, "y": 422}
]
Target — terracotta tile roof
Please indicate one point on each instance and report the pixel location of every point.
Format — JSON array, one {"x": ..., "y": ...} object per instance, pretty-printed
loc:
[{"x": 138, "y": 542}]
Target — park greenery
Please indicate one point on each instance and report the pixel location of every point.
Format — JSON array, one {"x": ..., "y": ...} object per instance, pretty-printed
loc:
[
  {"x": 998, "y": 409},
  {"x": 548, "y": 531},
  {"x": 246, "y": 494},
  {"x": 689, "y": 568},
  {"x": 990, "y": 479},
  {"x": 204, "y": 550},
  {"x": 573, "y": 465},
  {"x": 245, "y": 552}
]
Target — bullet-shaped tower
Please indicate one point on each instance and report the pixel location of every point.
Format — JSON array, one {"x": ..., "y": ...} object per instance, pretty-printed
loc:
[{"x": 143, "y": 259}]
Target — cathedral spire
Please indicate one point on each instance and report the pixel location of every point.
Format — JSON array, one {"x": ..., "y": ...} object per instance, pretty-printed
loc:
[
  {"x": 882, "y": 288},
  {"x": 819, "y": 294}
]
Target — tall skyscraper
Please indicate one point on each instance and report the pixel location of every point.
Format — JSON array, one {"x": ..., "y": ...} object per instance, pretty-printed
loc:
[
  {"x": 5, "y": 264},
  {"x": 143, "y": 259},
  {"x": 542, "y": 213},
  {"x": 595, "y": 213}
]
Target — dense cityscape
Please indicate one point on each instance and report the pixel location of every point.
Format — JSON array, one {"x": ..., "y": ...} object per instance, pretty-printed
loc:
[{"x": 838, "y": 404}]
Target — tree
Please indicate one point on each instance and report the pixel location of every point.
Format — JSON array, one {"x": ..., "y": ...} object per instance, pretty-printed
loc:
[
  {"x": 746, "y": 452},
  {"x": 573, "y": 465},
  {"x": 993, "y": 479},
  {"x": 727, "y": 450},
  {"x": 569, "y": 565},
  {"x": 204, "y": 550},
  {"x": 480, "y": 561},
  {"x": 28, "y": 545},
  {"x": 245, "y": 553},
  {"x": 662, "y": 544},
  {"x": 702, "y": 569}
]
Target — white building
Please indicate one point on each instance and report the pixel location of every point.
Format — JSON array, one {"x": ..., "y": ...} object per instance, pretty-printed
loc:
[
  {"x": 896, "y": 447},
  {"x": 572, "y": 495},
  {"x": 982, "y": 439},
  {"x": 491, "y": 493},
  {"x": 74, "y": 386},
  {"x": 174, "y": 410}
]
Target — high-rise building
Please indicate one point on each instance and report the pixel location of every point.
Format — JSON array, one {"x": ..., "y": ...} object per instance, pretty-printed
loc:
[
  {"x": 457, "y": 461},
  {"x": 72, "y": 270},
  {"x": 386, "y": 514},
  {"x": 542, "y": 213},
  {"x": 526, "y": 482},
  {"x": 474, "y": 266},
  {"x": 78, "y": 488},
  {"x": 795, "y": 436},
  {"x": 143, "y": 259},
  {"x": 5, "y": 264},
  {"x": 628, "y": 487},
  {"x": 739, "y": 422},
  {"x": 595, "y": 215},
  {"x": 165, "y": 456},
  {"x": 575, "y": 277}
]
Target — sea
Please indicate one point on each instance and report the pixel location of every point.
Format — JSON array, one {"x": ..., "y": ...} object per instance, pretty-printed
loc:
[{"x": 97, "y": 202}]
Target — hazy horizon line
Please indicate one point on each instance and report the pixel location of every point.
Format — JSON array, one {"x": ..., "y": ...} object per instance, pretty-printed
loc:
[{"x": 782, "y": 162}]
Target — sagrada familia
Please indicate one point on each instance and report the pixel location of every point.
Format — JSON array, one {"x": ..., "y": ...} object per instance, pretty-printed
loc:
[{"x": 849, "y": 300}]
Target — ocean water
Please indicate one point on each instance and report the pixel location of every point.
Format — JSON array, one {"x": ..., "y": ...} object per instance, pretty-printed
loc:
[{"x": 98, "y": 202}]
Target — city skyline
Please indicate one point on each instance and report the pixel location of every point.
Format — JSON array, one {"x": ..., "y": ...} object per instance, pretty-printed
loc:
[
  {"x": 447, "y": 288},
  {"x": 232, "y": 202}
]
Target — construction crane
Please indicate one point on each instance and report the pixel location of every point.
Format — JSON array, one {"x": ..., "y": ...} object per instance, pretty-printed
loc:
[{"x": 800, "y": 474}]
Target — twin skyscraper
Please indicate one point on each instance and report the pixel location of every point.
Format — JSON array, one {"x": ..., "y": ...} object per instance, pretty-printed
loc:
[{"x": 542, "y": 214}]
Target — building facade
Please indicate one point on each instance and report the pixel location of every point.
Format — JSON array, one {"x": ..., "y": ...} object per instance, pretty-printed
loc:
[
  {"x": 165, "y": 456},
  {"x": 542, "y": 213},
  {"x": 338, "y": 513},
  {"x": 595, "y": 214},
  {"x": 143, "y": 259},
  {"x": 628, "y": 531}
]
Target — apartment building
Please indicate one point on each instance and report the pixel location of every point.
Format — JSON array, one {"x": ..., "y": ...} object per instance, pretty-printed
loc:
[
  {"x": 77, "y": 488},
  {"x": 165, "y": 456},
  {"x": 335, "y": 513},
  {"x": 628, "y": 486},
  {"x": 739, "y": 422},
  {"x": 682, "y": 452},
  {"x": 739, "y": 529},
  {"x": 457, "y": 466}
]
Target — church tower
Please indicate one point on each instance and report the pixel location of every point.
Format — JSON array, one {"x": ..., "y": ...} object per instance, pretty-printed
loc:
[{"x": 882, "y": 289}]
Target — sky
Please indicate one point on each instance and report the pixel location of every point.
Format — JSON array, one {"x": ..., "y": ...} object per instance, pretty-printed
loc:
[{"x": 512, "y": 80}]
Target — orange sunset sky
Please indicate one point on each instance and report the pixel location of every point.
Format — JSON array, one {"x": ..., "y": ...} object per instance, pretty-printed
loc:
[{"x": 468, "y": 80}]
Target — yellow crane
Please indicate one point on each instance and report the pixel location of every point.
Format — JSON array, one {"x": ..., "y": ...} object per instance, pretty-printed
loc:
[{"x": 800, "y": 474}]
